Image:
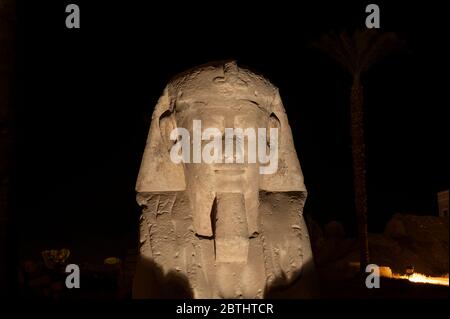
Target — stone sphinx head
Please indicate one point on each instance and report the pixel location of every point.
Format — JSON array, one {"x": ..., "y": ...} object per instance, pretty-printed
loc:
[{"x": 222, "y": 189}]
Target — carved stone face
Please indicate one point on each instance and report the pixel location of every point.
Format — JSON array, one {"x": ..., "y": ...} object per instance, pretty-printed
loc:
[
  {"x": 205, "y": 180},
  {"x": 229, "y": 230}
]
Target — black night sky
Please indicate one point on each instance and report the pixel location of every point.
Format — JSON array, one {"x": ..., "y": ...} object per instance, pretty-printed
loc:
[{"x": 85, "y": 99}]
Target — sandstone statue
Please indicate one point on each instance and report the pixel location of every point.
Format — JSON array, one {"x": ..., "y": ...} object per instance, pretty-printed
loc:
[{"x": 216, "y": 223}]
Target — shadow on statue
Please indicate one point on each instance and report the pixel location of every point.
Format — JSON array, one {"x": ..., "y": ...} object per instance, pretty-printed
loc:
[{"x": 153, "y": 284}]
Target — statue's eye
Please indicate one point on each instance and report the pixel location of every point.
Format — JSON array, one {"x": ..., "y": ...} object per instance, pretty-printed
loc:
[
  {"x": 199, "y": 104},
  {"x": 181, "y": 106}
]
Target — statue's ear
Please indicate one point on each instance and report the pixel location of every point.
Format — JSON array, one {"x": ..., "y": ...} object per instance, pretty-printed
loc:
[
  {"x": 167, "y": 123},
  {"x": 158, "y": 173},
  {"x": 288, "y": 176}
]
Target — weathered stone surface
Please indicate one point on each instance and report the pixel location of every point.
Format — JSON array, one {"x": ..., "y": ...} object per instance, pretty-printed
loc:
[{"x": 221, "y": 230}]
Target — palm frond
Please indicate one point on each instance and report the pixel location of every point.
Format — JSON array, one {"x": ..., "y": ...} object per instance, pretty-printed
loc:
[
  {"x": 358, "y": 52},
  {"x": 379, "y": 46},
  {"x": 331, "y": 45}
]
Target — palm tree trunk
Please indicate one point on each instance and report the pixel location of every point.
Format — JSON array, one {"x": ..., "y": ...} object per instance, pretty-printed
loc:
[{"x": 359, "y": 169}]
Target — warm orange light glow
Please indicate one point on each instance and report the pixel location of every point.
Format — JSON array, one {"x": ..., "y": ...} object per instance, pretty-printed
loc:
[
  {"x": 386, "y": 272},
  {"x": 420, "y": 278}
]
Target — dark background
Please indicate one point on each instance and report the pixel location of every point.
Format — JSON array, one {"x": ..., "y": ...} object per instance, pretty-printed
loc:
[{"x": 85, "y": 98}]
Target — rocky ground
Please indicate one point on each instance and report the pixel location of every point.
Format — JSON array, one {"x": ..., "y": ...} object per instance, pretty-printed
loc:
[{"x": 409, "y": 243}]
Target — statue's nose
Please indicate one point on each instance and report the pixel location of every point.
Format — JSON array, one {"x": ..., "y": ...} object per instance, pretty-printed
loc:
[{"x": 233, "y": 148}]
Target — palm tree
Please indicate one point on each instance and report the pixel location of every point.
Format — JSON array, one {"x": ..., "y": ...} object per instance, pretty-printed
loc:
[{"x": 357, "y": 53}]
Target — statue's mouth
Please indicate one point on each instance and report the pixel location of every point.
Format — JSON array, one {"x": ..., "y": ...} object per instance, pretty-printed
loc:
[
  {"x": 229, "y": 178},
  {"x": 229, "y": 171}
]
